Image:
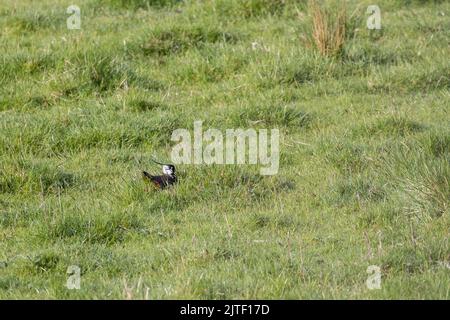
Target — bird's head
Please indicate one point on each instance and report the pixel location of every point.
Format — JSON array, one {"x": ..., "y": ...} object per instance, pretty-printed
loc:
[{"x": 169, "y": 169}]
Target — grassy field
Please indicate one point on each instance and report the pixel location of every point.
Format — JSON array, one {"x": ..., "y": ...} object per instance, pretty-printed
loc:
[{"x": 364, "y": 167}]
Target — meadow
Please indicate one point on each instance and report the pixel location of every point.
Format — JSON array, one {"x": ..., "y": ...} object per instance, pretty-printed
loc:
[{"x": 364, "y": 167}]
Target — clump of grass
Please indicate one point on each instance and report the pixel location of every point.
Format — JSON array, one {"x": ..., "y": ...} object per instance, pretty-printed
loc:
[
  {"x": 328, "y": 30},
  {"x": 423, "y": 77},
  {"x": 176, "y": 39},
  {"x": 407, "y": 259},
  {"x": 430, "y": 191},
  {"x": 10, "y": 181},
  {"x": 9, "y": 283},
  {"x": 347, "y": 157},
  {"x": 142, "y": 105},
  {"x": 101, "y": 228},
  {"x": 35, "y": 177},
  {"x": 393, "y": 125},
  {"x": 206, "y": 66},
  {"x": 23, "y": 63},
  {"x": 36, "y": 21},
  {"x": 107, "y": 74},
  {"x": 139, "y": 4},
  {"x": 437, "y": 143},
  {"x": 102, "y": 72},
  {"x": 287, "y": 116},
  {"x": 22, "y": 217},
  {"x": 359, "y": 188},
  {"x": 41, "y": 101},
  {"x": 423, "y": 181},
  {"x": 265, "y": 220},
  {"x": 45, "y": 262},
  {"x": 308, "y": 68},
  {"x": 51, "y": 179},
  {"x": 364, "y": 53},
  {"x": 249, "y": 8}
]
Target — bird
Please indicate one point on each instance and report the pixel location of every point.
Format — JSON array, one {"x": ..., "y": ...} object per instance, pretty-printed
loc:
[{"x": 167, "y": 179}]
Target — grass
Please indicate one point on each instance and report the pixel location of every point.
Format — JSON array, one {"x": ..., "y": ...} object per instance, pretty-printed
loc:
[
  {"x": 328, "y": 35},
  {"x": 364, "y": 168}
]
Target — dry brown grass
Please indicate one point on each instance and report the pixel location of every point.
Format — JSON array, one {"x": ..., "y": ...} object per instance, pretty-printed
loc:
[{"x": 328, "y": 28}]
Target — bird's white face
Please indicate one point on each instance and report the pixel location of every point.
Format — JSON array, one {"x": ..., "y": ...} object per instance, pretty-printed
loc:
[{"x": 169, "y": 170}]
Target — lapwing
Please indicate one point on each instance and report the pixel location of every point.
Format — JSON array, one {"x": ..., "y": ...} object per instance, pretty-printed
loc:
[{"x": 165, "y": 180}]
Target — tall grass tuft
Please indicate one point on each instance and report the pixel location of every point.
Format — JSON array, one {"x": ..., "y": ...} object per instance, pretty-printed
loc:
[{"x": 328, "y": 29}]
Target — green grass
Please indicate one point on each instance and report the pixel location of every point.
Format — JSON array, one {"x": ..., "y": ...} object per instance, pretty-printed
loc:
[{"x": 365, "y": 151}]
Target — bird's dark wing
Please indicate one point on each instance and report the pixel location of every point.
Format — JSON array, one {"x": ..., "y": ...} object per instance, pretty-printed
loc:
[
  {"x": 146, "y": 175},
  {"x": 159, "y": 181}
]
